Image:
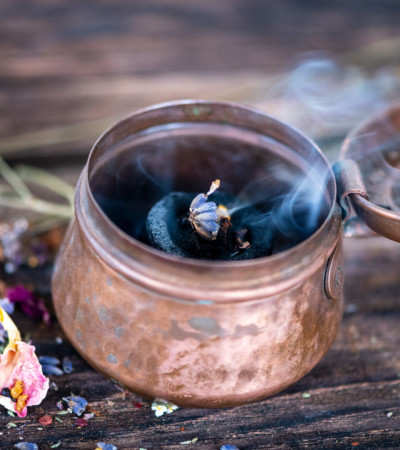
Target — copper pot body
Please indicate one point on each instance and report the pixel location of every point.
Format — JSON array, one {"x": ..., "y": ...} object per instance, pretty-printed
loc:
[{"x": 198, "y": 333}]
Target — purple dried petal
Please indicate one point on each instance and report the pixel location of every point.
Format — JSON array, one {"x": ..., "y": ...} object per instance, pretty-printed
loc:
[
  {"x": 19, "y": 294},
  {"x": 105, "y": 446},
  {"x": 77, "y": 404},
  {"x": 3, "y": 334},
  {"x": 67, "y": 365},
  {"x": 198, "y": 201},
  {"x": 88, "y": 416},
  {"x": 209, "y": 207},
  {"x": 229, "y": 447},
  {"x": 7, "y": 305},
  {"x": 51, "y": 370},
  {"x": 32, "y": 306},
  {"x": 49, "y": 360},
  {"x": 60, "y": 405},
  {"x": 209, "y": 226},
  {"x": 26, "y": 446},
  {"x": 207, "y": 217},
  {"x": 80, "y": 422}
]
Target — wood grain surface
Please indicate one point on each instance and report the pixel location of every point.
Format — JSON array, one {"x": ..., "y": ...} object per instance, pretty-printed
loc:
[{"x": 68, "y": 69}]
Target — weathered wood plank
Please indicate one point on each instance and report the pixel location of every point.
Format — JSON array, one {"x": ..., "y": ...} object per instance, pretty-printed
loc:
[
  {"x": 84, "y": 65},
  {"x": 354, "y": 391}
]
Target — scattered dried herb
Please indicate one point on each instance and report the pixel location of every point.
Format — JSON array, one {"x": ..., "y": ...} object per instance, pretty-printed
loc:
[
  {"x": 193, "y": 441},
  {"x": 45, "y": 420},
  {"x": 26, "y": 446},
  {"x": 104, "y": 446},
  {"x": 77, "y": 404},
  {"x": 31, "y": 305},
  {"x": 161, "y": 407},
  {"x": 67, "y": 365},
  {"x": 22, "y": 371},
  {"x": 80, "y": 422}
]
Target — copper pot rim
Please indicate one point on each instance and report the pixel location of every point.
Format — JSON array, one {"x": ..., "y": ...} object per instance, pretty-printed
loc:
[
  {"x": 192, "y": 261},
  {"x": 293, "y": 262}
]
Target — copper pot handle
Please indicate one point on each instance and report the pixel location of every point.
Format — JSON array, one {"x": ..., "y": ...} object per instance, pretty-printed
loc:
[{"x": 368, "y": 218}]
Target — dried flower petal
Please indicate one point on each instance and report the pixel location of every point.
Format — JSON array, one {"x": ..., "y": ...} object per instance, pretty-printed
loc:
[
  {"x": 161, "y": 407},
  {"x": 31, "y": 305},
  {"x": 80, "y": 422},
  {"x": 51, "y": 370},
  {"x": 10, "y": 243},
  {"x": 46, "y": 420},
  {"x": 26, "y": 446},
  {"x": 3, "y": 335},
  {"x": 67, "y": 365},
  {"x": 104, "y": 446},
  {"x": 7, "y": 305},
  {"x": 20, "y": 368},
  {"x": 77, "y": 404},
  {"x": 88, "y": 416},
  {"x": 49, "y": 360}
]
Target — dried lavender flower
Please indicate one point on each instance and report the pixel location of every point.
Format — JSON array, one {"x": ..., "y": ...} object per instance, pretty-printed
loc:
[
  {"x": 67, "y": 365},
  {"x": 49, "y": 370},
  {"x": 203, "y": 215},
  {"x": 49, "y": 360},
  {"x": 76, "y": 403},
  {"x": 26, "y": 446}
]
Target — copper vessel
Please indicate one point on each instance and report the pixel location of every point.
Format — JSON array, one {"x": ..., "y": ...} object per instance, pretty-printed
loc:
[{"x": 197, "y": 333}]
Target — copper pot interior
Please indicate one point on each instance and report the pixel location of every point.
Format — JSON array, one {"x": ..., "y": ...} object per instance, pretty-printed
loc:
[{"x": 293, "y": 183}]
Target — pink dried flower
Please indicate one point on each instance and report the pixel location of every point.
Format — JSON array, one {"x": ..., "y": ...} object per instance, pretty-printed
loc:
[
  {"x": 31, "y": 305},
  {"x": 20, "y": 371}
]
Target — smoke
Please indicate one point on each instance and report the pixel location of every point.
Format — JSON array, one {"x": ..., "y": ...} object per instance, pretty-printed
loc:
[
  {"x": 326, "y": 99},
  {"x": 294, "y": 205},
  {"x": 320, "y": 97},
  {"x": 323, "y": 97}
]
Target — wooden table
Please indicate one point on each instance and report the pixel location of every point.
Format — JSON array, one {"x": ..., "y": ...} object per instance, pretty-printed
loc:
[{"x": 69, "y": 69}]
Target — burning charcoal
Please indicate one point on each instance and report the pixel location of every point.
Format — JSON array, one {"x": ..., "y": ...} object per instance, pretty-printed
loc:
[
  {"x": 163, "y": 222},
  {"x": 170, "y": 229}
]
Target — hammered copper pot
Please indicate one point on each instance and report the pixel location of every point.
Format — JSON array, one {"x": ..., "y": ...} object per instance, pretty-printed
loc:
[{"x": 195, "y": 332}]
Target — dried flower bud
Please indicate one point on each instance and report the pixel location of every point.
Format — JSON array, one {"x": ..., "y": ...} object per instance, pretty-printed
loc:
[{"x": 203, "y": 214}]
